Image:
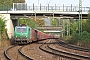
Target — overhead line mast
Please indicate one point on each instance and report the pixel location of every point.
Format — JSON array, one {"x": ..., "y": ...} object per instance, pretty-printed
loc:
[{"x": 80, "y": 17}]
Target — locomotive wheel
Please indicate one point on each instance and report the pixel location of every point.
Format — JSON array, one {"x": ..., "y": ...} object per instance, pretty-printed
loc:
[
  {"x": 12, "y": 41},
  {"x": 30, "y": 41}
]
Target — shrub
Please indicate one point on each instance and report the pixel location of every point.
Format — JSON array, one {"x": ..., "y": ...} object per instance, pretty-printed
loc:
[
  {"x": 2, "y": 27},
  {"x": 74, "y": 39},
  {"x": 83, "y": 40},
  {"x": 3, "y": 34},
  {"x": 85, "y": 35}
]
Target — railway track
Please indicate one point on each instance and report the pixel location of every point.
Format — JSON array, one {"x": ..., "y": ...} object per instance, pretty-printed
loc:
[
  {"x": 44, "y": 42},
  {"x": 44, "y": 47},
  {"x": 81, "y": 57},
  {"x": 72, "y": 46},
  {"x": 15, "y": 53},
  {"x": 61, "y": 53},
  {"x": 6, "y": 54}
]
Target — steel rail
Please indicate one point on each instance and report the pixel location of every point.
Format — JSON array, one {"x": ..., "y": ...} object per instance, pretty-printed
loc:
[
  {"x": 71, "y": 46},
  {"x": 27, "y": 57},
  {"x": 72, "y": 54},
  {"x": 6, "y": 54},
  {"x": 40, "y": 47}
]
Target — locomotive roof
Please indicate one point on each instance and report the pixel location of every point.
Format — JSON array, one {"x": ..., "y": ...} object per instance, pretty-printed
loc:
[{"x": 23, "y": 26}]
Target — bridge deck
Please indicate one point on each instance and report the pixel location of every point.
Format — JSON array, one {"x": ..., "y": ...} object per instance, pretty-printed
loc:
[
  {"x": 40, "y": 12},
  {"x": 50, "y": 28},
  {"x": 46, "y": 13}
]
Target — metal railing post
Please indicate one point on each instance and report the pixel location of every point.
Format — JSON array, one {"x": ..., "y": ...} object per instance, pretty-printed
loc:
[
  {"x": 63, "y": 7},
  {"x": 40, "y": 7},
  {"x": 71, "y": 7},
  {"x": 48, "y": 7},
  {"x": 33, "y": 6},
  {"x": 55, "y": 7}
]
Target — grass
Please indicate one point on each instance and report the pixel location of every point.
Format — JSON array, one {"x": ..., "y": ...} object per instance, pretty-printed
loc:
[{"x": 4, "y": 43}]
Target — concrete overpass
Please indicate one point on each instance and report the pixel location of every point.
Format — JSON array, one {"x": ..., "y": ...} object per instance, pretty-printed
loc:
[{"x": 46, "y": 13}]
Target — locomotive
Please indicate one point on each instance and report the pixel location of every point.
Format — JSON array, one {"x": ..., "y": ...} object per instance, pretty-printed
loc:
[{"x": 25, "y": 34}]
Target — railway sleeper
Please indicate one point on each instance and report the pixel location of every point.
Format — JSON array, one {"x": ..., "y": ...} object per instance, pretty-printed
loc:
[
  {"x": 40, "y": 47},
  {"x": 77, "y": 55}
]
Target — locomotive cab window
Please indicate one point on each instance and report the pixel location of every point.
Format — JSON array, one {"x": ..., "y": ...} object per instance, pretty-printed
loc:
[{"x": 21, "y": 29}]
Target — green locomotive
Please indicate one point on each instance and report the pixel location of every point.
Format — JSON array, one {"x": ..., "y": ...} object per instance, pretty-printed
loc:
[{"x": 22, "y": 34}]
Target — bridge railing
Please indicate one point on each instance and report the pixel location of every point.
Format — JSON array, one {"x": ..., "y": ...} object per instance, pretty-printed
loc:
[
  {"x": 25, "y": 7},
  {"x": 71, "y": 8},
  {"x": 56, "y": 8}
]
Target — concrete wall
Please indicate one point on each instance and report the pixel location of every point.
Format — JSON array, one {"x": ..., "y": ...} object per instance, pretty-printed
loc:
[{"x": 9, "y": 24}]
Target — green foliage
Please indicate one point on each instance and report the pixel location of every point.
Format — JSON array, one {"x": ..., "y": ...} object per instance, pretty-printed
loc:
[
  {"x": 84, "y": 23},
  {"x": 74, "y": 39},
  {"x": 28, "y": 22},
  {"x": 18, "y": 1},
  {"x": 83, "y": 40},
  {"x": 73, "y": 27},
  {"x": 2, "y": 27},
  {"x": 40, "y": 22},
  {"x": 85, "y": 35},
  {"x": 55, "y": 22},
  {"x": 7, "y": 4},
  {"x": 87, "y": 26}
]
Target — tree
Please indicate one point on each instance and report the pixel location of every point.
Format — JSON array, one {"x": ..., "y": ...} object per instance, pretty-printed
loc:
[
  {"x": 55, "y": 22},
  {"x": 18, "y": 1},
  {"x": 40, "y": 22},
  {"x": 84, "y": 23},
  {"x": 88, "y": 23},
  {"x": 30, "y": 22},
  {"x": 7, "y": 4},
  {"x": 2, "y": 27},
  {"x": 74, "y": 27}
]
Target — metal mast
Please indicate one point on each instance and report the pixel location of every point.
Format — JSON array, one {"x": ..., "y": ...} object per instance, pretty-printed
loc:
[{"x": 80, "y": 17}]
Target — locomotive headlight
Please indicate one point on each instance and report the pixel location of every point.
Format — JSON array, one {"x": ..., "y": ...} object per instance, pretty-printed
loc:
[
  {"x": 16, "y": 36},
  {"x": 25, "y": 35}
]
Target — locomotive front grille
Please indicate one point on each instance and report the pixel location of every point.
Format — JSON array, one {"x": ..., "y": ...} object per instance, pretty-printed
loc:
[{"x": 21, "y": 40}]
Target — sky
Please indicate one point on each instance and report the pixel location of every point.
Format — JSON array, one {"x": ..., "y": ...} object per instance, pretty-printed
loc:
[{"x": 85, "y": 3}]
